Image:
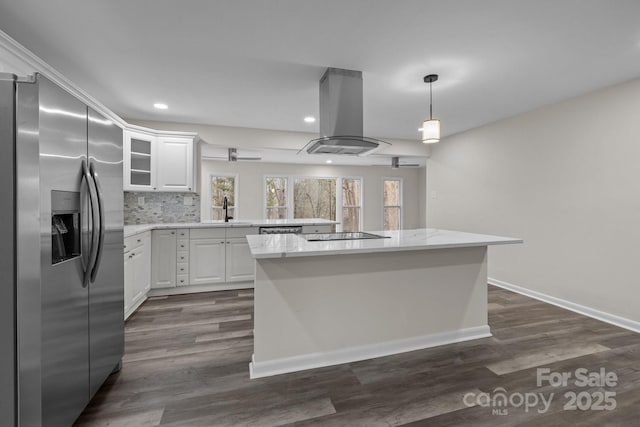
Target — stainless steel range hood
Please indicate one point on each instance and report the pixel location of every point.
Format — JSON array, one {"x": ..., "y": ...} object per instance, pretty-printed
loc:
[{"x": 341, "y": 116}]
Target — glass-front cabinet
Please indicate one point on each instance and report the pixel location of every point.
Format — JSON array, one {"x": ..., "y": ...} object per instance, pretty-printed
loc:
[{"x": 140, "y": 162}]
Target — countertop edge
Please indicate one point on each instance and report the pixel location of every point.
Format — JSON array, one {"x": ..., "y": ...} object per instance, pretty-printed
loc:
[
  {"x": 133, "y": 229},
  {"x": 350, "y": 251}
]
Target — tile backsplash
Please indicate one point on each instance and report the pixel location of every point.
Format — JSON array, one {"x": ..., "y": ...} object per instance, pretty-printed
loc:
[{"x": 160, "y": 207}]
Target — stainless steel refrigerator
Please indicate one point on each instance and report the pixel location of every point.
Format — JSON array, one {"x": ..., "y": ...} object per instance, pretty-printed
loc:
[{"x": 61, "y": 252}]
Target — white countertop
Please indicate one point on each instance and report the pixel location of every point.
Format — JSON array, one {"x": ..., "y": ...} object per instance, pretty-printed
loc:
[
  {"x": 130, "y": 230},
  {"x": 292, "y": 245}
]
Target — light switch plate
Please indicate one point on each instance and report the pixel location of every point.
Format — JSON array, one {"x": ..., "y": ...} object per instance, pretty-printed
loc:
[
  {"x": 141, "y": 201},
  {"x": 188, "y": 200},
  {"x": 434, "y": 195}
]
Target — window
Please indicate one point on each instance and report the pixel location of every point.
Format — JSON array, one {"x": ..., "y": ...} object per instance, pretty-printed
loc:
[
  {"x": 332, "y": 198},
  {"x": 314, "y": 198},
  {"x": 351, "y": 204},
  {"x": 276, "y": 197},
  {"x": 221, "y": 186},
  {"x": 392, "y": 200}
]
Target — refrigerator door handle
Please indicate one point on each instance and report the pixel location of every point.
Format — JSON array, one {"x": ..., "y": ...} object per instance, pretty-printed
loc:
[
  {"x": 93, "y": 201},
  {"x": 100, "y": 234}
]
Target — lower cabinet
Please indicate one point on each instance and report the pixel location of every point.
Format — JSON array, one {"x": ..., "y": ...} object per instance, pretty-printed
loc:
[
  {"x": 163, "y": 250},
  {"x": 239, "y": 264},
  {"x": 218, "y": 255},
  {"x": 137, "y": 271},
  {"x": 206, "y": 261},
  {"x": 317, "y": 228}
]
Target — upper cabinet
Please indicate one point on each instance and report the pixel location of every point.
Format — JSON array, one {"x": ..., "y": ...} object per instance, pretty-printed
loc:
[
  {"x": 159, "y": 162},
  {"x": 139, "y": 161},
  {"x": 175, "y": 163}
]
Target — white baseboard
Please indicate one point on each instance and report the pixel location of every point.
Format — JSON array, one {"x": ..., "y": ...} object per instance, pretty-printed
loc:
[
  {"x": 191, "y": 289},
  {"x": 134, "y": 307},
  {"x": 612, "y": 319},
  {"x": 353, "y": 354}
]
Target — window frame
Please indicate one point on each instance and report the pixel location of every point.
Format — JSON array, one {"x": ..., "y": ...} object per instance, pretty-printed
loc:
[
  {"x": 340, "y": 218},
  {"x": 235, "y": 176},
  {"x": 400, "y": 200},
  {"x": 289, "y": 194},
  {"x": 292, "y": 186}
]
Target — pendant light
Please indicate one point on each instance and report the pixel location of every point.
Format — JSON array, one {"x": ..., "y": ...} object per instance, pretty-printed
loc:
[{"x": 431, "y": 126}]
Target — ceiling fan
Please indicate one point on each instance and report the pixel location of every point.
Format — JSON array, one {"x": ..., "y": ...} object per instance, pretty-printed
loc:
[
  {"x": 228, "y": 154},
  {"x": 395, "y": 164},
  {"x": 233, "y": 156}
]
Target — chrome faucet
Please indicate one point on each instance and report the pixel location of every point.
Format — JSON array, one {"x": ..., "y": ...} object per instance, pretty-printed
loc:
[{"x": 225, "y": 206}]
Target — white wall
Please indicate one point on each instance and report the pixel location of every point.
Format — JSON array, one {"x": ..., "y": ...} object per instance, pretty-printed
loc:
[
  {"x": 566, "y": 179},
  {"x": 251, "y": 175}
]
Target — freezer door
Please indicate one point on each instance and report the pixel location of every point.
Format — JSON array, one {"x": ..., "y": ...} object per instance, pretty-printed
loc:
[
  {"x": 65, "y": 299},
  {"x": 8, "y": 362},
  {"x": 106, "y": 290},
  {"x": 28, "y": 306}
]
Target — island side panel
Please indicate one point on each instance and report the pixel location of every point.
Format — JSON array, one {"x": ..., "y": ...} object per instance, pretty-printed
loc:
[{"x": 322, "y": 304}]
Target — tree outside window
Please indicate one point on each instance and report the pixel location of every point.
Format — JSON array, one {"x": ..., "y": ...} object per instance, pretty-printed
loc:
[
  {"x": 276, "y": 197},
  {"x": 392, "y": 200},
  {"x": 314, "y": 198},
  {"x": 222, "y": 186},
  {"x": 351, "y": 204}
]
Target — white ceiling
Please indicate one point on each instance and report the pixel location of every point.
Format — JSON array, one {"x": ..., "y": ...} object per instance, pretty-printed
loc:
[{"x": 256, "y": 63}]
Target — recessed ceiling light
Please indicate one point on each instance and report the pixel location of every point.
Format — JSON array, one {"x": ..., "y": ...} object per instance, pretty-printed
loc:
[
  {"x": 309, "y": 119},
  {"x": 329, "y": 161},
  {"x": 160, "y": 106}
]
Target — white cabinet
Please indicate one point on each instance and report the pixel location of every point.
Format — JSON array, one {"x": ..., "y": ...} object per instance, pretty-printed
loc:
[
  {"x": 201, "y": 259},
  {"x": 175, "y": 164},
  {"x": 137, "y": 271},
  {"x": 206, "y": 261},
  {"x": 163, "y": 262},
  {"x": 139, "y": 161},
  {"x": 240, "y": 265},
  {"x": 218, "y": 255},
  {"x": 325, "y": 228},
  {"x": 128, "y": 285},
  {"x": 154, "y": 161}
]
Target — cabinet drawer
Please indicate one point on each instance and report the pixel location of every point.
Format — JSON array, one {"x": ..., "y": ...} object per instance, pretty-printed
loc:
[
  {"x": 241, "y": 231},
  {"x": 133, "y": 242},
  {"x": 183, "y": 279},
  {"x": 183, "y": 233},
  {"x": 317, "y": 229},
  {"x": 182, "y": 268},
  {"x": 207, "y": 233},
  {"x": 182, "y": 245},
  {"x": 182, "y": 256}
]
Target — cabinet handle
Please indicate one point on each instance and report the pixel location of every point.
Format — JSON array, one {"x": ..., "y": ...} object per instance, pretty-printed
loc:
[
  {"x": 173, "y": 232},
  {"x": 139, "y": 240},
  {"x": 132, "y": 255}
]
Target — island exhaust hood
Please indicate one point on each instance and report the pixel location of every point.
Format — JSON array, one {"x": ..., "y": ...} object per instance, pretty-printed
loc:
[{"x": 341, "y": 129}]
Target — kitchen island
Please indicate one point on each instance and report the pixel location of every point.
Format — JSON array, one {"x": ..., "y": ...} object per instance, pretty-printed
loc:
[{"x": 320, "y": 303}]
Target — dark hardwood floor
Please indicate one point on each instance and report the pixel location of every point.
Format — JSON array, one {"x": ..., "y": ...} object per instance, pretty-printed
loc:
[{"x": 186, "y": 364}]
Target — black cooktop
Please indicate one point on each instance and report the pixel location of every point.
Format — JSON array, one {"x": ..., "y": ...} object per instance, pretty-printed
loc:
[{"x": 321, "y": 237}]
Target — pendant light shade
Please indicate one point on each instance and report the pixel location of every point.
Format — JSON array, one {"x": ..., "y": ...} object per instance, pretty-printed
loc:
[
  {"x": 431, "y": 131},
  {"x": 431, "y": 126}
]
